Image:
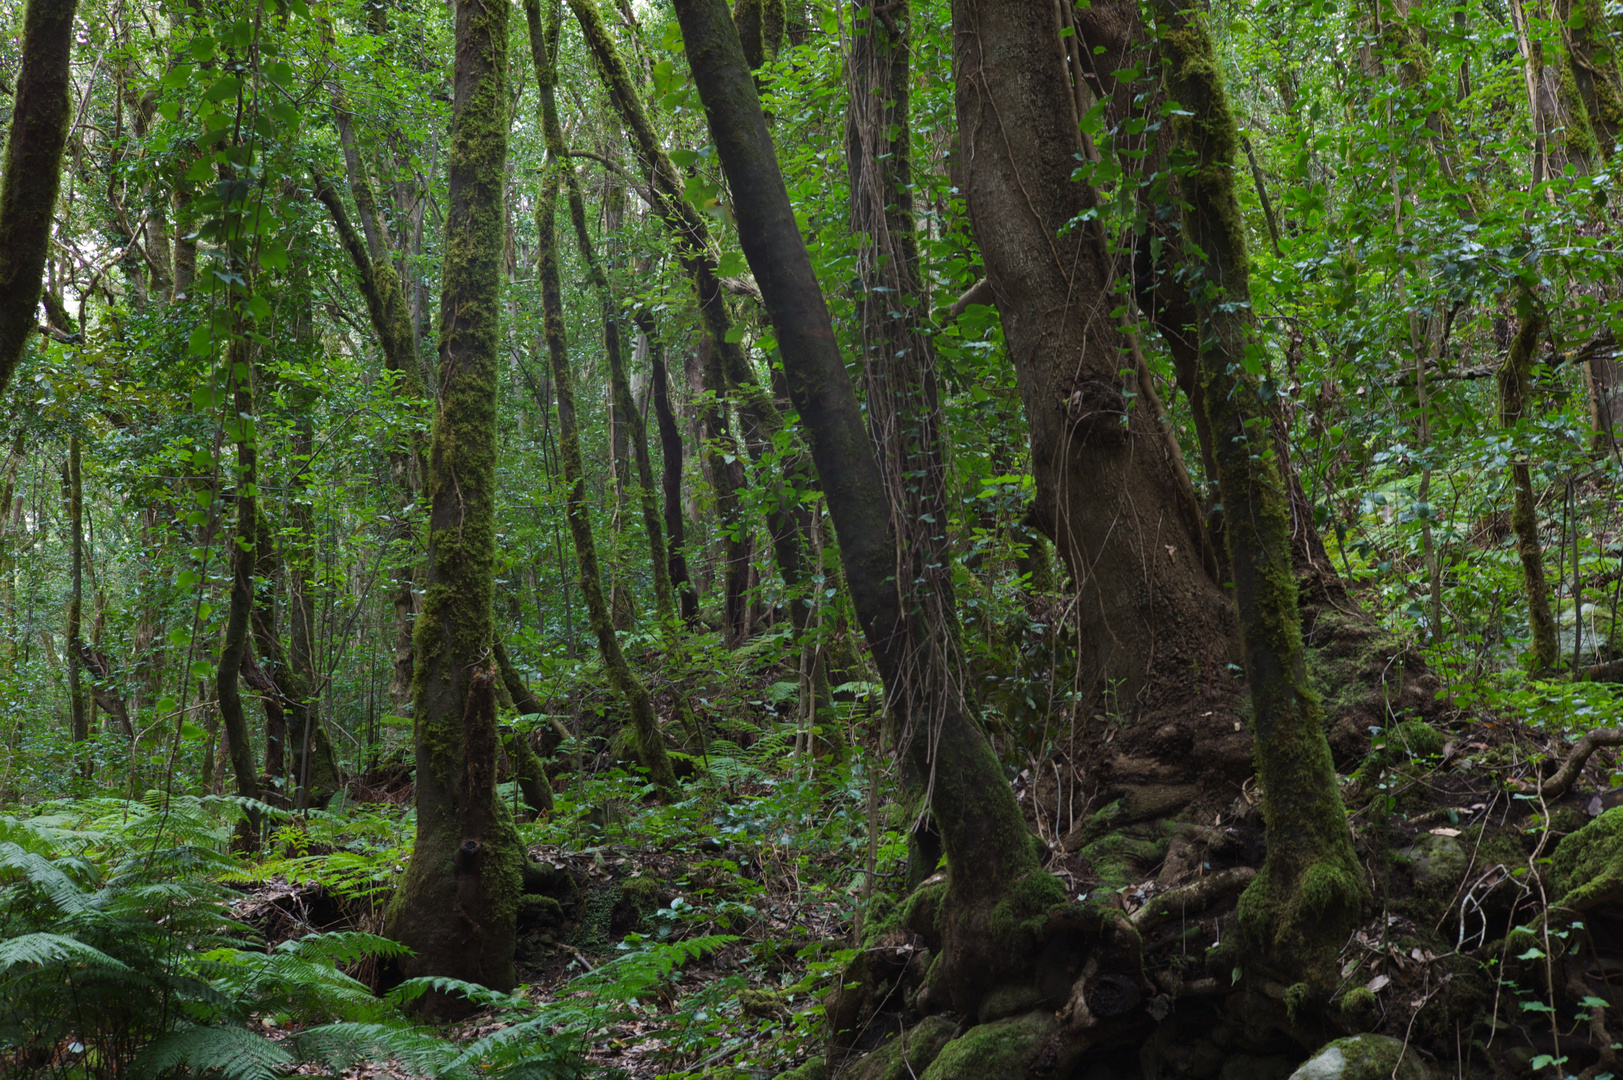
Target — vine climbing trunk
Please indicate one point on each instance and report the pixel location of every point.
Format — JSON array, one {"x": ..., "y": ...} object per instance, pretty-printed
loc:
[
  {"x": 39, "y": 130},
  {"x": 457, "y": 906},
  {"x": 650, "y": 743},
  {"x": 1310, "y": 892},
  {"x": 998, "y": 895}
]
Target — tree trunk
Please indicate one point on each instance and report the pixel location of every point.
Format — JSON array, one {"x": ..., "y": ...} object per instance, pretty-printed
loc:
[
  {"x": 39, "y": 130},
  {"x": 527, "y": 768},
  {"x": 998, "y": 895},
  {"x": 650, "y": 743},
  {"x": 457, "y": 906},
  {"x": 670, "y": 442},
  {"x": 1153, "y": 628},
  {"x": 73, "y": 492},
  {"x": 1310, "y": 892},
  {"x": 1513, "y": 379},
  {"x": 241, "y": 547}
]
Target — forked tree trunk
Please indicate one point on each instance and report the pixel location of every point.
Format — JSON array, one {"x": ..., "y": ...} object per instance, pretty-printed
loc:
[
  {"x": 1153, "y": 628},
  {"x": 458, "y": 904},
  {"x": 39, "y": 130},
  {"x": 998, "y": 895},
  {"x": 1310, "y": 892},
  {"x": 650, "y": 743}
]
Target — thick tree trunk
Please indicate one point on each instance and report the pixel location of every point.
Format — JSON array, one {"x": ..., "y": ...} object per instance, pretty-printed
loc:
[
  {"x": 39, "y": 130},
  {"x": 998, "y": 894},
  {"x": 457, "y": 907},
  {"x": 1153, "y": 626},
  {"x": 650, "y": 743}
]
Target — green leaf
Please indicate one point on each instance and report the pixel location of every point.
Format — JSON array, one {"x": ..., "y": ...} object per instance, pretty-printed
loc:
[
  {"x": 732, "y": 264},
  {"x": 224, "y": 87}
]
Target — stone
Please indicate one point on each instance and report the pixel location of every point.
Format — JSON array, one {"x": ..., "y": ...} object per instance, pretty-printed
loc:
[
  {"x": 909, "y": 1054},
  {"x": 1436, "y": 862},
  {"x": 1364, "y": 1057},
  {"x": 1003, "y": 1049}
]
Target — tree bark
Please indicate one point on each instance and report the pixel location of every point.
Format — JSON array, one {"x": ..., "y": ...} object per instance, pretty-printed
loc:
[
  {"x": 1152, "y": 624},
  {"x": 241, "y": 546},
  {"x": 1310, "y": 892},
  {"x": 650, "y": 743},
  {"x": 73, "y": 492},
  {"x": 39, "y": 130},
  {"x": 997, "y": 892},
  {"x": 1513, "y": 380},
  {"x": 670, "y": 443},
  {"x": 457, "y": 907}
]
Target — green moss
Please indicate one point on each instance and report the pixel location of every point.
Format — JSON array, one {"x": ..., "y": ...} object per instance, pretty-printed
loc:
[
  {"x": 908, "y": 1055},
  {"x": 814, "y": 1069},
  {"x": 1002, "y": 1049},
  {"x": 1017, "y": 919},
  {"x": 1358, "y": 1004},
  {"x": 1296, "y": 996},
  {"x": 1587, "y": 868},
  {"x": 1365, "y": 1057},
  {"x": 1122, "y": 858}
]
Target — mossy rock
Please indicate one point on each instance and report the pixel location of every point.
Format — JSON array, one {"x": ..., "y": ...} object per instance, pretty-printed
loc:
[
  {"x": 814, "y": 1069},
  {"x": 765, "y": 1004},
  {"x": 908, "y": 1055},
  {"x": 1587, "y": 868},
  {"x": 1004, "y": 1049},
  {"x": 1122, "y": 858},
  {"x": 1436, "y": 862},
  {"x": 1364, "y": 1057}
]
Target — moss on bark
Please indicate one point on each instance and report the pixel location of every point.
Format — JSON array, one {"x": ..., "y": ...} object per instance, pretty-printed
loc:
[
  {"x": 1514, "y": 378},
  {"x": 456, "y": 908},
  {"x": 1311, "y": 890}
]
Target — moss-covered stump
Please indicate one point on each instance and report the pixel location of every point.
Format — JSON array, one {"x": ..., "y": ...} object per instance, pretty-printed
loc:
[
  {"x": 1364, "y": 1057},
  {"x": 1007, "y": 1050},
  {"x": 909, "y": 1054},
  {"x": 1587, "y": 869}
]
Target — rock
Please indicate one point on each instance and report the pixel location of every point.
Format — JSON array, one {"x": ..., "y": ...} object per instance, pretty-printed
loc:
[
  {"x": 1003, "y": 1049},
  {"x": 909, "y": 1054},
  {"x": 1587, "y": 868},
  {"x": 1008, "y": 1001},
  {"x": 1436, "y": 862},
  {"x": 1364, "y": 1057},
  {"x": 815, "y": 1069}
]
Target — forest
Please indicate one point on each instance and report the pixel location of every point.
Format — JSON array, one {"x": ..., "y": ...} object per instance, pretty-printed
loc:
[{"x": 945, "y": 539}]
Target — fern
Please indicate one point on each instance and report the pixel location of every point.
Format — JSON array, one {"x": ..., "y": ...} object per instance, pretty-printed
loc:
[{"x": 233, "y": 1053}]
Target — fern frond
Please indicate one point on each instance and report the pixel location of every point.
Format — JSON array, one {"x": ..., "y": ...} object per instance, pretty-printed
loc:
[
  {"x": 344, "y": 1044},
  {"x": 234, "y": 1053},
  {"x": 43, "y": 948}
]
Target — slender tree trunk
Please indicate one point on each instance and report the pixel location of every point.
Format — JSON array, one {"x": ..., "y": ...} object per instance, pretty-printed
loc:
[
  {"x": 73, "y": 490},
  {"x": 242, "y": 547},
  {"x": 457, "y": 906},
  {"x": 527, "y": 769},
  {"x": 1310, "y": 892},
  {"x": 650, "y": 743},
  {"x": 992, "y": 862},
  {"x": 670, "y": 442},
  {"x": 39, "y": 129},
  {"x": 1513, "y": 380}
]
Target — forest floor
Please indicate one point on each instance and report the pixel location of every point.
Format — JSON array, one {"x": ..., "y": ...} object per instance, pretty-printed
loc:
[{"x": 765, "y": 864}]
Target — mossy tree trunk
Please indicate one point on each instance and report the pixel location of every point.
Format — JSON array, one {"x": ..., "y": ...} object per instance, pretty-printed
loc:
[
  {"x": 527, "y": 769},
  {"x": 39, "y": 130},
  {"x": 1310, "y": 892},
  {"x": 686, "y": 226},
  {"x": 1513, "y": 379},
  {"x": 998, "y": 893},
  {"x": 650, "y": 743},
  {"x": 626, "y": 420},
  {"x": 457, "y": 906}
]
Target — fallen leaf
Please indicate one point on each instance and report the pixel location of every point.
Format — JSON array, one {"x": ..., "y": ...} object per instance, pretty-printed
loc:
[
  {"x": 1444, "y": 831},
  {"x": 1375, "y": 985}
]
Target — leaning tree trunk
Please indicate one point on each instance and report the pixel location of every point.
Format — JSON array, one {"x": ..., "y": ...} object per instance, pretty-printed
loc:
[
  {"x": 998, "y": 895},
  {"x": 457, "y": 907},
  {"x": 1152, "y": 625},
  {"x": 1513, "y": 379},
  {"x": 39, "y": 130},
  {"x": 1310, "y": 892},
  {"x": 650, "y": 743}
]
